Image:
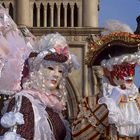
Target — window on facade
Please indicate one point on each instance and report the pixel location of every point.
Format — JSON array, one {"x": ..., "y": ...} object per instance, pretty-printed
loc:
[
  {"x": 68, "y": 15},
  {"x": 48, "y": 15},
  {"x": 3, "y": 5},
  {"x": 62, "y": 16},
  {"x": 41, "y": 15},
  {"x": 35, "y": 15},
  {"x": 11, "y": 10},
  {"x": 55, "y": 16},
  {"x": 75, "y": 15}
]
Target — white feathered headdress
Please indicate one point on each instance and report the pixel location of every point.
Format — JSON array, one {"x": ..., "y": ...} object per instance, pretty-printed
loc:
[
  {"x": 13, "y": 52},
  {"x": 53, "y": 47},
  {"x": 116, "y": 26}
]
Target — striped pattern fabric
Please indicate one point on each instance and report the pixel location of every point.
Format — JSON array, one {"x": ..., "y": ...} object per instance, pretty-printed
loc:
[{"x": 91, "y": 127}]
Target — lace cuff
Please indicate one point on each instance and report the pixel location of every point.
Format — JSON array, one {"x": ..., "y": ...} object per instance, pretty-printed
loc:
[
  {"x": 10, "y": 119},
  {"x": 11, "y": 136}
]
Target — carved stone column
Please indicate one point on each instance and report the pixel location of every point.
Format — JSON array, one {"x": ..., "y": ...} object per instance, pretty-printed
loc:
[
  {"x": 31, "y": 14},
  {"x": 14, "y": 11},
  {"x": 7, "y": 7},
  {"x": 52, "y": 15},
  {"x": 5, "y": 4},
  {"x": 38, "y": 15},
  {"x": 65, "y": 15},
  {"x": 72, "y": 15},
  {"x": 79, "y": 16},
  {"x": 22, "y": 12},
  {"x": 45, "y": 16},
  {"x": 58, "y": 7},
  {"x": 90, "y": 13}
]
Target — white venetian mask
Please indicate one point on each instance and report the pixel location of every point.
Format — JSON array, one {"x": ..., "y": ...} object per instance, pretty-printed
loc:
[
  {"x": 47, "y": 77},
  {"x": 51, "y": 75}
]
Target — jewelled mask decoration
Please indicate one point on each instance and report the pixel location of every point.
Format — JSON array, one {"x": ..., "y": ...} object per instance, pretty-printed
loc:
[{"x": 121, "y": 68}]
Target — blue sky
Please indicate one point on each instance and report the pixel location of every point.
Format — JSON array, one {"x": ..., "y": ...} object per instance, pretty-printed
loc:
[{"x": 125, "y": 11}]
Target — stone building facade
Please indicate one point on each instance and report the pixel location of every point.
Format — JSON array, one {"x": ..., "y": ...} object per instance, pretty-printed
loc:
[{"x": 75, "y": 19}]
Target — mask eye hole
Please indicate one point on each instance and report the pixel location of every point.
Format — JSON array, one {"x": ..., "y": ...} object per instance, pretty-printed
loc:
[
  {"x": 50, "y": 68},
  {"x": 60, "y": 71}
]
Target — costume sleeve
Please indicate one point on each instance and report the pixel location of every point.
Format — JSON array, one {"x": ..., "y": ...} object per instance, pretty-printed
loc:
[
  {"x": 116, "y": 95},
  {"x": 25, "y": 130}
]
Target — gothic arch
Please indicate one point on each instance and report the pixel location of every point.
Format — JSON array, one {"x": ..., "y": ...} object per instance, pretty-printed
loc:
[
  {"x": 72, "y": 102},
  {"x": 55, "y": 17},
  {"x": 11, "y": 10},
  {"x": 34, "y": 15},
  {"x": 3, "y": 5},
  {"x": 62, "y": 15},
  {"x": 48, "y": 15},
  {"x": 68, "y": 15},
  {"x": 41, "y": 15},
  {"x": 75, "y": 15}
]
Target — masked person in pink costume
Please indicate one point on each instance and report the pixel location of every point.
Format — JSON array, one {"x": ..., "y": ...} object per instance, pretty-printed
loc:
[
  {"x": 13, "y": 53},
  {"x": 42, "y": 100}
]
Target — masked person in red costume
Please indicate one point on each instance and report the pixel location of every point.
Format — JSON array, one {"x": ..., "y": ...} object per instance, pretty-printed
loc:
[{"x": 120, "y": 97}]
